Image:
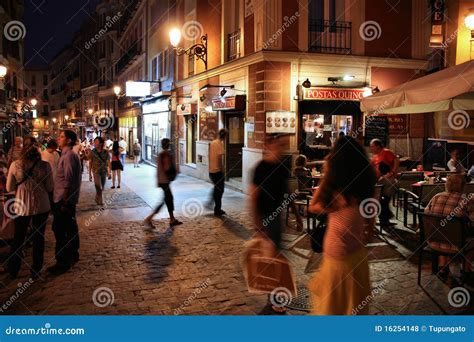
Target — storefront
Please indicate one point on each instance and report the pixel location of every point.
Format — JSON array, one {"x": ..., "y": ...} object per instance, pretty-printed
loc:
[
  {"x": 325, "y": 113},
  {"x": 128, "y": 130},
  {"x": 187, "y": 146},
  {"x": 156, "y": 126}
]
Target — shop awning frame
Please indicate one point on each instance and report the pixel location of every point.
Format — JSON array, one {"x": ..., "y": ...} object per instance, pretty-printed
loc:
[{"x": 448, "y": 89}]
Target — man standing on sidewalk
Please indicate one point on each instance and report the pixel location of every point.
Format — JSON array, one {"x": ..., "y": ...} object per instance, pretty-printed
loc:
[
  {"x": 123, "y": 151},
  {"x": 216, "y": 170},
  {"x": 100, "y": 168},
  {"x": 66, "y": 196}
]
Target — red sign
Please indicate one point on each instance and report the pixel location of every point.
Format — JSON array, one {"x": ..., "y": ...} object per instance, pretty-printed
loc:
[
  {"x": 229, "y": 103},
  {"x": 333, "y": 94},
  {"x": 397, "y": 124}
]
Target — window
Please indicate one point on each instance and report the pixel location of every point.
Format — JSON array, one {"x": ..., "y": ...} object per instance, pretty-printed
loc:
[
  {"x": 33, "y": 81},
  {"x": 191, "y": 136},
  {"x": 154, "y": 69},
  {"x": 45, "y": 110},
  {"x": 45, "y": 94},
  {"x": 164, "y": 64},
  {"x": 45, "y": 80}
]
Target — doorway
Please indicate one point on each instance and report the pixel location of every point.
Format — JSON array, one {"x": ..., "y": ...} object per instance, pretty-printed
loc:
[
  {"x": 234, "y": 123},
  {"x": 155, "y": 139}
]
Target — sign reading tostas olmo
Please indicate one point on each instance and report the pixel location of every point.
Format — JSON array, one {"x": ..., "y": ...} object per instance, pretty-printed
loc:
[{"x": 333, "y": 94}]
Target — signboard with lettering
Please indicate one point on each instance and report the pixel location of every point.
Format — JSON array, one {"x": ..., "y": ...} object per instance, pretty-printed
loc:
[
  {"x": 281, "y": 122},
  {"x": 186, "y": 109},
  {"x": 397, "y": 124},
  {"x": 376, "y": 127},
  {"x": 437, "y": 20},
  {"x": 341, "y": 94},
  {"x": 229, "y": 103}
]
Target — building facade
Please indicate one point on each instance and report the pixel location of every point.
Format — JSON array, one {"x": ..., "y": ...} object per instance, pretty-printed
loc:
[{"x": 37, "y": 86}]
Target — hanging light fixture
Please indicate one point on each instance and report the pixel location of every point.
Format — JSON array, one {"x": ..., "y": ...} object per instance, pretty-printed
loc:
[{"x": 307, "y": 83}]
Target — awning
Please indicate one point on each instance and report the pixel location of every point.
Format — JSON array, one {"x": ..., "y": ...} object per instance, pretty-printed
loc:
[{"x": 451, "y": 88}]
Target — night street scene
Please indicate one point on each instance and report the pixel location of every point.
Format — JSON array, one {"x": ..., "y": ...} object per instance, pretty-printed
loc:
[{"x": 237, "y": 158}]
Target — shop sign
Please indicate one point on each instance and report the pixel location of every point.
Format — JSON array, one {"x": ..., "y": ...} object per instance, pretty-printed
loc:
[
  {"x": 397, "y": 124},
  {"x": 80, "y": 124},
  {"x": 281, "y": 122},
  {"x": 250, "y": 124},
  {"x": 338, "y": 94},
  {"x": 186, "y": 109},
  {"x": 229, "y": 103},
  {"x": 437, "y": 20}
]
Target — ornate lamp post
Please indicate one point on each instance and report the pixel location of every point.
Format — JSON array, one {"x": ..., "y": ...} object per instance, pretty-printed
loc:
[{"x": 198, "y": 50}]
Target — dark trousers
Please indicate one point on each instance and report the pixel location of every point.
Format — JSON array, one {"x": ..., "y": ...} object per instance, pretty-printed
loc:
[
  {"x": 168, "y": 200},
  {"x": 219, "y": 181},
  {"x": 66, "y": 233},
  {"x": 38, "y": 224},
  {"x": 385, "y": 213}
]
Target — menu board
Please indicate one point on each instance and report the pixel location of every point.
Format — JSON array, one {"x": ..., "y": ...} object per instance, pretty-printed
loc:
[
  {"x": 281, "y": 122},
  {"x": 376, "y": 127},
  {"x": 208, "y": 125},
  {"x": 397, "y": 124}
]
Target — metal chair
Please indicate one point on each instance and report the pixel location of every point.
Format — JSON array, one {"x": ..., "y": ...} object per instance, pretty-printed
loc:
[
  {"x": 443, "y": 230},
  {"x": 415, "y": 203},
  {"x": 302, "y": 199},
  {"x": 405, "y": 180}
]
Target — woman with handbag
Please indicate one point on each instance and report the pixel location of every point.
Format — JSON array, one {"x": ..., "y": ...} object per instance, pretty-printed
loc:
[
  {"x": 341, "y": 285},
  {"x": 117, "y": 166},
  {"x": 32, "y": 180},
  {"x": 166, "y": 172}
]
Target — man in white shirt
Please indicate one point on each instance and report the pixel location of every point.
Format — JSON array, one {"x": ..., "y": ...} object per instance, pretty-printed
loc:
[
  {"x": 123, "y": 151},
  {"x": 108, "y": 144},
  {"x": 454, "y": 165},
  {"x": 216, "y": 170},
  {"x": 51, "y": 156}
]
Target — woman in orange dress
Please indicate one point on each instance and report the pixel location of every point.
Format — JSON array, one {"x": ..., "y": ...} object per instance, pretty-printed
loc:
[{"x": 341, "y": 286}]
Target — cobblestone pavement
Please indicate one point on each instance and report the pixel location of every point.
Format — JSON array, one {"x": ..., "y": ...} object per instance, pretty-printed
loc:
[{"x": 191, "y": 269}]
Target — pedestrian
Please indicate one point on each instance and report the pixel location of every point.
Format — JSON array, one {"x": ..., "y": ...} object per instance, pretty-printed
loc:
[
  {"x": 66, "y": 196},
  {"x": 216, "y": 170},
  {"x": 108, "y": 144},
  {"x": 15, "y": 151},
  {"x": 341, "y": 285},
  {"x": 117, "y": 166},
  {"x": 51, "y": 156},
  {"x": 166, "y": 172},
  {"x": 100, "y": 167},
  {"x": 137, "y": 148},
  {"x": 267, "y": 192},
  {"x": 384, "y": 155},
  {"x": 123, "y": 151},
  {"x": 32, "y": 181},
  {"x": 454, "y": 165}
]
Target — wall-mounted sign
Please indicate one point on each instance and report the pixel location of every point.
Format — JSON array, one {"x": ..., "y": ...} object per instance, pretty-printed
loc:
[
  {"x": 137, "y": 89},
  {"x": 186, "y": 109},
  {"x": 376, "y": 127},
  {"x": 397, "y": 124},
  {"x": 342, "y": 94},
  {"x": 80, "y": 124},
  {"x": 280, "y": 122},
  {"x": 437, "y": 20},
  {"x": 250, "y": 124},
  {"x": 229, "y": 103}
]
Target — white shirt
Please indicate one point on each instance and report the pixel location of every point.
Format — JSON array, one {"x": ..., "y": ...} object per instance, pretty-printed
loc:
[
  {"x": 108, "y": 144},
  {"x": 216, "y": 151},
  {"x": 32, "y": 195},
  {"x": 52, "y": 159},
  {"x": 123, "y": 145}
]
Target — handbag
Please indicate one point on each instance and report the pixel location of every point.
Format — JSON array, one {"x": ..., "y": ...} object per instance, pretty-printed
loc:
[{"x": 317, "y": 234}]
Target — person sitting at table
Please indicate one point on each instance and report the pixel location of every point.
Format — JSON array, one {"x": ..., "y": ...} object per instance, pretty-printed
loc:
[
  {"x": 302, "y": 173},
  {"x": 454, "y": 165},
  {"x": 389, "y": 188},
  {"x": 451, "y": 201}
]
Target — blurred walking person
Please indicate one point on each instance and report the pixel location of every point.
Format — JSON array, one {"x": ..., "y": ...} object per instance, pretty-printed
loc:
[
  {"x": 166, "y": 173},
  {"x": 117, "y": 166},
  {"x": 100, "y": 167},
  {"x": 32, "y": 181},
  {"x": 137, "y": 149},
  {"x": 341, "y": 285},
  {"x": 216, "y": 170}
]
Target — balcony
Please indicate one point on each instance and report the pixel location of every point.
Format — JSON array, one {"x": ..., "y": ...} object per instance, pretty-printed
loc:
[
  {"x": 128, "y": 57},
  {"x": 233, "y": 45},
  {"x": 329, "y": 36}
]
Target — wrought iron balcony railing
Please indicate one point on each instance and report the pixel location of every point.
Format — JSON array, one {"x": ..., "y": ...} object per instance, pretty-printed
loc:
[{"x": 330, "y": 36}]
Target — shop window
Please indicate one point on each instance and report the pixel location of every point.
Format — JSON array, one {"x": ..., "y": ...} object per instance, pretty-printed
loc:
[{"x": 191, "y": 137}]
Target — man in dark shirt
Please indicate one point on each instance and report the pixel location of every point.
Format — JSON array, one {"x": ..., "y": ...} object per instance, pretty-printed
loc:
[
  {"x": 66, "y": 196},
  {"x": 269, "y": 190}
]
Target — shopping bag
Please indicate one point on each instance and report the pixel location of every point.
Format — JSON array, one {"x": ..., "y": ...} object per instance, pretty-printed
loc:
[{"x": 266, "y": 270}]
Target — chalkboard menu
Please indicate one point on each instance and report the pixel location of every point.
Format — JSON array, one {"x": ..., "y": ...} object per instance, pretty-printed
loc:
[{"x": 376, "y": 127}]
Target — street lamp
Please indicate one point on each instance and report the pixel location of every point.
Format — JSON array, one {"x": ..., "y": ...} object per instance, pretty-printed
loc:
[
  {"x": 66, "y": 117},
  {"x": 469, "y": 22},
  {"x": 54, "y": 121},
  {"x": 90, "y": 111},
  {"x": 33, "y": 102},
  {"x": 199, "y": 50},
  {"x": 3, "y": 71},
  {"x": 117, "y": 90}
]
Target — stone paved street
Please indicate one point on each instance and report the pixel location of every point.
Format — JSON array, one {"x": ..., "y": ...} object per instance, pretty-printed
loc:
[{"x": 191, "y": 269}]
